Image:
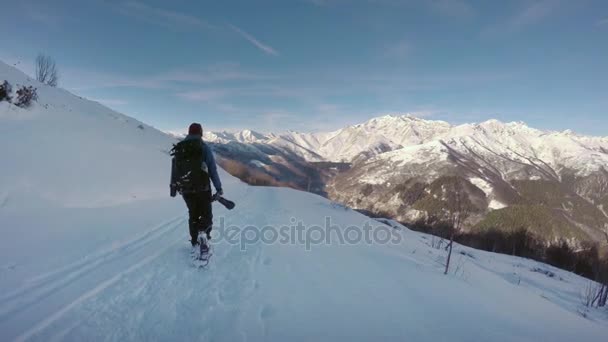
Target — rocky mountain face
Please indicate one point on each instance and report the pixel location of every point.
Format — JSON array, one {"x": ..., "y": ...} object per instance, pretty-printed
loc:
[{"x": 554, "y": 184}]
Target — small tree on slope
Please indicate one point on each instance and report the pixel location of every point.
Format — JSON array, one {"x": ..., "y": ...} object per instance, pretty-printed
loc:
[
  {"x": 458, "y": 208},
  {"x": 46, "y": 70}
]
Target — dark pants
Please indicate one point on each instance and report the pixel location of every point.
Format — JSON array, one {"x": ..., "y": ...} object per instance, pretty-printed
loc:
[{"x": 199, "y": 209}]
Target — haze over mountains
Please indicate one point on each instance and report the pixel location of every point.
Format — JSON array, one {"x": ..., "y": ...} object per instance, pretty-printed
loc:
[{"x": 553, "y": 183}]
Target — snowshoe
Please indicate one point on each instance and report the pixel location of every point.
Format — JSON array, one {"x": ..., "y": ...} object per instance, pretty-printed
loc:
[{"x": 203, "y": 253}]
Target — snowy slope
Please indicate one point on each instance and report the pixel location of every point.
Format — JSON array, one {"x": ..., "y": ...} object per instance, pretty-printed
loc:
[
  {"x": 75, "y": 177},
  {"x": 89, "y": 138},
  {"x": 145, "y": 289},
  {"x": 90, "y": 252}
]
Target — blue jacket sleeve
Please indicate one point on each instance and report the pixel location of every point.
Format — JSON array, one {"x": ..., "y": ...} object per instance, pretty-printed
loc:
[{"x": 212, "y": 167}]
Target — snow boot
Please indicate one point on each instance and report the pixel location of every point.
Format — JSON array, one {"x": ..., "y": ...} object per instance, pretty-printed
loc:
[{"x": 203, "y": 242}]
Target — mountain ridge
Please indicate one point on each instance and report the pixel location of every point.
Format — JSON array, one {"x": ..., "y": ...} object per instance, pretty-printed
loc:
[
  {"x": 396, "y": 132},
  {"x": 387, "y": 152}
]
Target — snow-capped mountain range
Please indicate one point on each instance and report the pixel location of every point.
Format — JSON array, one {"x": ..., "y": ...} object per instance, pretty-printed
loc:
[
  {"x": 409, "y": 134},
  {"x": 387, "y": 155}
]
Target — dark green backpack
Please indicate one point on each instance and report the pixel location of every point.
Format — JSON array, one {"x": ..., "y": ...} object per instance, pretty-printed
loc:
[{"x": 188, "y": 172}]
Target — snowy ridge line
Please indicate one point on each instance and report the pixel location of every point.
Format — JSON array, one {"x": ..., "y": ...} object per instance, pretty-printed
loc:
[
  {"x": 30, "y": 295},
  {"x": 514, "y": 141},
  {"x": 90, "y": 294}
]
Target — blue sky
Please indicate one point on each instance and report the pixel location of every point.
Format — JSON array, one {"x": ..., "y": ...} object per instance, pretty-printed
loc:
[{"x": 312, "y": 65}]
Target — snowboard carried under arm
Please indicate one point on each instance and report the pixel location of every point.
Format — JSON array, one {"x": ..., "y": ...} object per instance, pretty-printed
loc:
[{"x": 228, "y": 204}]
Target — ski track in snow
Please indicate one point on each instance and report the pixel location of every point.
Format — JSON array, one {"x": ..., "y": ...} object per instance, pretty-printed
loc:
[
  {"x": 90, "y": 294},
  {"x": 210, "y": 298},
  {"x": 147, "y": 289},
  {"x": 47, "y": 291},
  {"x": 86, "y": 263}
]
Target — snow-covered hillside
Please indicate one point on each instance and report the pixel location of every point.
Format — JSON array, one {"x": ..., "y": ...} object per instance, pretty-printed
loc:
[
  {"x": 93, "y": 249},
  {"x": 71, "y": 152}
]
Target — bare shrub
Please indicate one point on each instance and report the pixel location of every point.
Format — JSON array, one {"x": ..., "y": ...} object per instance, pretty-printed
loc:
[
  {"x": 591, "y": 294},
  {"x": 602, "y": 277},
  {"x": 46, "y": 70},
  {"x": 5, "y": 91},
  {"x": 458, "y": 210},
  {"x": 25, "y": 96},
  {"x": 437, "y": 242}
]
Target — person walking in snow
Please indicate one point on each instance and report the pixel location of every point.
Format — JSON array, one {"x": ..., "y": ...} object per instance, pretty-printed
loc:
[{"x": 193, "y": 165}]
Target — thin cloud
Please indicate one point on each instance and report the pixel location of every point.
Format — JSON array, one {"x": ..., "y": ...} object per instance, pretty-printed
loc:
[
  {"x": 203, "y": 95},
  {"x": 161, "y": 16},
  {"x": 399, "y": 49},
  {"x": 254, "y": 90},
  {"x": 82, "y": 79},
  {"x": 78, "y": 78},
  {"x": 265, "y": 48},
  {"x": 223, "y": 72},
  {"x": 447, "y": 8},
  {"x": 42, "y": 13},
  {"x": 602, "y": 22},
  {"x": 532, "y": 14},
  {"x": 279, "y": 120},
  {"x": 453, "y": 8},
  {"x": 320, "y": 3}
]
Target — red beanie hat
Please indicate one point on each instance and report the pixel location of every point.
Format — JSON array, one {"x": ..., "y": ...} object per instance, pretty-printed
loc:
[{"x": 195, "y": 129}]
